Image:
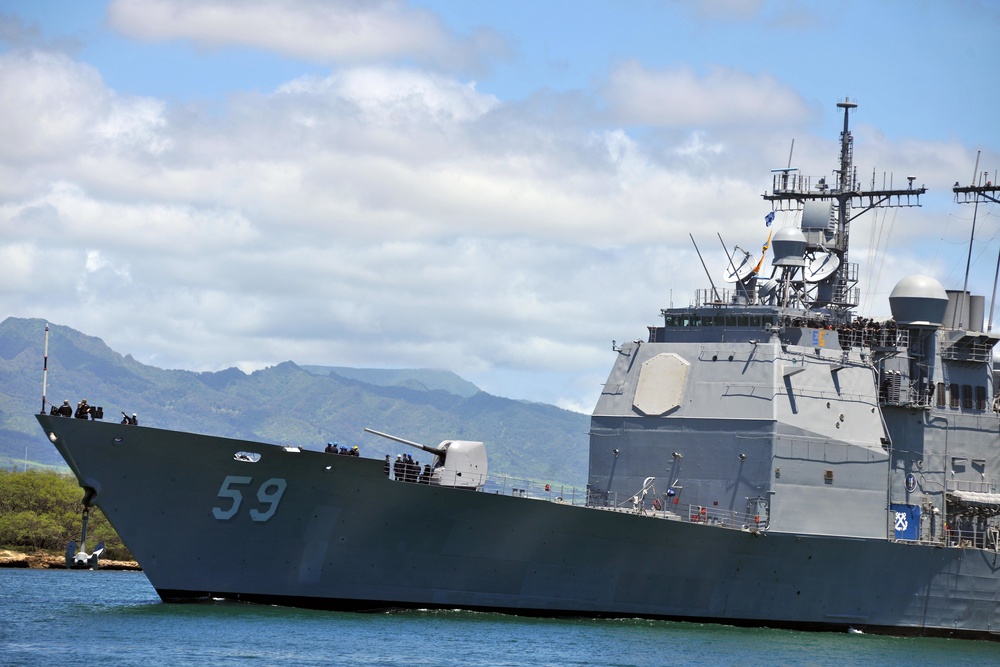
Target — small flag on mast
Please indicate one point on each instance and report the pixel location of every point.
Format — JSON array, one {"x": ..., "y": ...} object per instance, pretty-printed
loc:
[
  {"x": 763, "y": 253},
  {"x": 769, "y": 218}
]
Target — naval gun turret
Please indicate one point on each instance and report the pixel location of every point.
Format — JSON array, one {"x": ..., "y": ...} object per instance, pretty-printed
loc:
[{"x": 458, "y": 463}]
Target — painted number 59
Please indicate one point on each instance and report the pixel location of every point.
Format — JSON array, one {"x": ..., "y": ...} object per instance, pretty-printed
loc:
[{"x": 268, "y": 494}]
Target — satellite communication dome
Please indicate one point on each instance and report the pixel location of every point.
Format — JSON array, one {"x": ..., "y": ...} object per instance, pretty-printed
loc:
[
  {"x": 789, "y": 245},
  {"x": 918, "y": 301}
]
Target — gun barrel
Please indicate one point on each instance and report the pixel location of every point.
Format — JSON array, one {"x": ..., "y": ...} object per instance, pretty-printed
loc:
[{"x": 426, "y": 448}]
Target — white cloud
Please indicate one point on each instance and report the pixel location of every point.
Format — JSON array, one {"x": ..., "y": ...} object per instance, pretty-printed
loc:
[
  {"x": 681, "y": 97},
  {"x": 49, "y": 105},
  {"x": 135, "y": 123},
  {"x": 343, "y": 31},
  {"x": 387, "y": 215}
]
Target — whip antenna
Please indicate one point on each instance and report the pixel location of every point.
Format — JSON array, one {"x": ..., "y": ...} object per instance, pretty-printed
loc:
[{"x": 45, "y": 366}]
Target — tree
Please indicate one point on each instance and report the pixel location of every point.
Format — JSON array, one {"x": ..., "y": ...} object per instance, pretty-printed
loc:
[{"x": 43, "y": 510}]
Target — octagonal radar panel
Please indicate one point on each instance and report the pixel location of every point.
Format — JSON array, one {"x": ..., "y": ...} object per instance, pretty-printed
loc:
[
  {"x": 821, "y": 267},
  {"x": 661, "y": 384}
]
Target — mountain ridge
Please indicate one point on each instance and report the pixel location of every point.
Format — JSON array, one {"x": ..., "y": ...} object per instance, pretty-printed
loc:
[{"x": 283, "y": 404}]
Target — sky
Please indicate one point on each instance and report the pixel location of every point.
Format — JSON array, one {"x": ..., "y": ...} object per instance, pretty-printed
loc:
[{"x": 495, "y": 189}]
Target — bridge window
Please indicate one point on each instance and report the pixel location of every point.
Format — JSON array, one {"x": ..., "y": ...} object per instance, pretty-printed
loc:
[
  {"x": 967, "y": 396},
  {"x": 953, "y": 396},
  {"x": 980, "y": 398},
  {"x": 939, "y": 394}
]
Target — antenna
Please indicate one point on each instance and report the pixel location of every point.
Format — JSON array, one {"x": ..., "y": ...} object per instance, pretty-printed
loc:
[
  {"x": 838, "y": 290},
  {"x": 732, "y": 266},
  {"x": 973, "y": 194},
  {"x": 712, "y": 282},
  {"x": 821, "y": 267},
  {"x": 45, "y": 367},
  {"x": 736, "y": 273},
  {"x": 968, "y": 260}
]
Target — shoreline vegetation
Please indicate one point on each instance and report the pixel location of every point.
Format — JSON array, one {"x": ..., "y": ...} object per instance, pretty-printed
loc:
[
  {"x": 43, "y": 560},
  {"x": 41, "y": 512}
]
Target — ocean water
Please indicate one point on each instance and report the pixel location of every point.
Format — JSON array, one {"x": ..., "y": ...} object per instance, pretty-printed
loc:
[{"x": 59, "y": 617}]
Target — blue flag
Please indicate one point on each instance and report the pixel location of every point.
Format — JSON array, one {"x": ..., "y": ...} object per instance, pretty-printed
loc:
[{"x": 769, "y": 218}]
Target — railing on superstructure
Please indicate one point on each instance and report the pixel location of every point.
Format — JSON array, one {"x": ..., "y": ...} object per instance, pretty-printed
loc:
[
  {"x": 873, "y": 335},
  {"x": 685, "y": 512},
  {"x": 722, "y": 297},
  {"x": 969, "y": 348},
  {"x": 966, "y": 526},
  {"x": 624, "y": 504}
]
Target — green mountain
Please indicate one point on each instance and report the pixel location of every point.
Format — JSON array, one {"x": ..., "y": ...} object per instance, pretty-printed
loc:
[
  {"x": 284, "y": 404},
  {"x": 414, "y": 378}
]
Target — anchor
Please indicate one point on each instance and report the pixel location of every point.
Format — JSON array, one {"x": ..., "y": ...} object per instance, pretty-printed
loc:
[{"x": 81, "y": 560}]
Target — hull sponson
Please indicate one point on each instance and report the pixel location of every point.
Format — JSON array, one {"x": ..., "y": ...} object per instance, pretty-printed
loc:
[{"x": 343, "y": 536}]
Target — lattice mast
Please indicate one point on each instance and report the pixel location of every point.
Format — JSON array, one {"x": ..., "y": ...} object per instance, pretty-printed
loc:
[
  {"x": 790, "y": 191},
  {"x": 983, "y": 190}
]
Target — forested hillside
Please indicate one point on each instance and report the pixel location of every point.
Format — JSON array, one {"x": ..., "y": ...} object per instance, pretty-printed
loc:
[{"x": 283, "y": 404}]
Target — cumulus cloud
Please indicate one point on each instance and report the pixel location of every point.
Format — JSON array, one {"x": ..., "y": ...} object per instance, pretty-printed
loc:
[
  {"x": 50, "y": 104},
  {"x": 680, "y": 97},
  {"x": 342, "y": 31},
  {"x": 385, "y": 214}
]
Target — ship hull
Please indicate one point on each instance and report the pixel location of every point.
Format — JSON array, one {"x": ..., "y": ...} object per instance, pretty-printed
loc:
[{"x": 313, "y": 530}]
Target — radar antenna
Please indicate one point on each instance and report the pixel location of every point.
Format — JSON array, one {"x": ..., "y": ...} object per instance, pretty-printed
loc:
[
  {"x": 982, "y": 189},
  {"x": 790, "y": 191}
]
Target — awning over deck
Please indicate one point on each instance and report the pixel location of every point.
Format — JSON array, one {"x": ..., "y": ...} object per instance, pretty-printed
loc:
[{"x": 989, "y": 502}]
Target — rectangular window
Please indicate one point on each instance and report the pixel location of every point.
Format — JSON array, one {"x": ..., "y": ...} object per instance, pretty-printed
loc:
[
  {"x": 953, "y": 396},
  {"x": 967, "y": 396},
  {"x": 939, "y": 394},
  {"x": 980, "y": 398}
]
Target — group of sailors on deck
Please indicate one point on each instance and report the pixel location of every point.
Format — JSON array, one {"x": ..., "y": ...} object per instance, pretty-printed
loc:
[
  {"x": 337, "y": 448},
  {"x": 86, "y": 411},
  {"x": 866, "y": 332},
  {"x": 405, "y": 469}
]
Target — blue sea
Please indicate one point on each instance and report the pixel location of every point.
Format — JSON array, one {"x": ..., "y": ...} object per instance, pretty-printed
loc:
[{"x": 59, "y": 617}]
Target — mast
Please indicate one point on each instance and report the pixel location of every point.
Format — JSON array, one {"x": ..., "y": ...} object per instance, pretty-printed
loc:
[
  {"x": 985, "y": 190},
  {"x": 45, "y": 367},
  {"x": 790, "y": 192}
]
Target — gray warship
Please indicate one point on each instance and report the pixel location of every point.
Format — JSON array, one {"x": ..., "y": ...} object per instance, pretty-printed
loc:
[{"x": 763, "y": 457}]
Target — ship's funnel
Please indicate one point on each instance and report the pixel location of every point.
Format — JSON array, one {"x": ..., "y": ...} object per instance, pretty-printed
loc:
[
  {"x": 977, "y": 310},
  {"x": 965, "y": 311},
  {"x": 918, "y": 301},
  {"x": 789, "y": 245}
]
